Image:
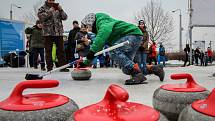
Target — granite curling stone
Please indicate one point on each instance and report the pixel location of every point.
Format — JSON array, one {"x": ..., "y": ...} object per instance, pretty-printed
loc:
[
  {"x": 37, "y": 107},
  {"x": 171, "y": 99},
  {"x": 81, "y": 74},
  {"x": 201, "y": 110},
  {"x": 115, "y": 108}
]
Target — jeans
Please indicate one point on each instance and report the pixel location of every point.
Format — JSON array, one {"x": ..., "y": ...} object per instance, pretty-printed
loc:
[
  {"x": 36, "y": 53},
  {"x": 161, "y": 58},
  {"x": 140, "y": 58},
  {"x": 124, "y": 55}
]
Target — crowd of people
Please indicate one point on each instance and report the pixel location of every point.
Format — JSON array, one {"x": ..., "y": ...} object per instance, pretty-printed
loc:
[
  {"x": 97, "y": 31},
  {"x": 199, "y": 56}
]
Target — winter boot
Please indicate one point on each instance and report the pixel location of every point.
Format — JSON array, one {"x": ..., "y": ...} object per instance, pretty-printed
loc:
[
  {"x": 156, "y": 70},
  {"x": 137, "y": 76}
]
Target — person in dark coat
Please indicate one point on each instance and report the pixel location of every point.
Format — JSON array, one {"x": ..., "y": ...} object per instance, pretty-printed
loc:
[
  {"x": 71, "y": 41},
  {"x": 186, "y": 51},
  {"x": 51, "y": 15},
  {"x": 197, "y": 55}
]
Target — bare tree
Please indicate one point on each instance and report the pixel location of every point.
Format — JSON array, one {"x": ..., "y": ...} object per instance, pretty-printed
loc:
[
  {"x": 31, "y": 17},
  {"x": 159, "y": 23}
]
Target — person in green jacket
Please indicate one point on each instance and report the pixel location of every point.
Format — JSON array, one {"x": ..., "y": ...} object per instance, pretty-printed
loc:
[
  {"x": 111, "y": 32},
  {"x": 37, "y": 44}
]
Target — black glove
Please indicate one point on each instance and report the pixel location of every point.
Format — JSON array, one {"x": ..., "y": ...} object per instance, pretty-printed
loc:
[{"x": 82, "y": 65}]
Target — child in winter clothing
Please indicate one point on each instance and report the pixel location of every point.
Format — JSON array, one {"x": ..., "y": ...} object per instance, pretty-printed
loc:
[
  {"x": 82, "y": 42},
  {"x": 37, "y": 44},
  {"x": 161, "y": 54},
  {"x": 111, "y": 32}
]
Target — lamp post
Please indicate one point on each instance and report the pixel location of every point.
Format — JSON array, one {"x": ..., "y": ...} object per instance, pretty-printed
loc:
[
  {"x": 11, "y": 10},
  {"x": 180, "y": 30}
]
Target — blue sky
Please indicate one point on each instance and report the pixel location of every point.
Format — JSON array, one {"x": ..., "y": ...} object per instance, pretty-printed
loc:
[{"x": 120, "y": 9}]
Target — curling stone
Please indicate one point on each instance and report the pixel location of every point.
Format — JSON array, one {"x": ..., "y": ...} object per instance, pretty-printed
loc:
[
  {"x": 171, "y": 99},
  {"x": 201, "y": 110},
  {"x": 37, "y": 107},
  {"x": 81, "y": 74},
  {"x": 115, "y": 108}
]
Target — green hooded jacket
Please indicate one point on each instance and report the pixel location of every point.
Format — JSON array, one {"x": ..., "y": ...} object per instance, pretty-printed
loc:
[{"x": 109, "y": 30}]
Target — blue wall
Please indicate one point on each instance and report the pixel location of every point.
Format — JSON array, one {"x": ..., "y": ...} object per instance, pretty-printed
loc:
[{"x": 11, "y": 36}]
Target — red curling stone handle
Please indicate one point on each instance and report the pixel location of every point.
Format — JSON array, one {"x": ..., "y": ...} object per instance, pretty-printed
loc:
[
  {"x": 17, "y": 92},
  {"x": 183, "y": 76},
  {"x": 116, "y": 93}
]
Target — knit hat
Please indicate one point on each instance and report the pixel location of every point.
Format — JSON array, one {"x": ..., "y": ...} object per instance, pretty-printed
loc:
[
  {"x": 141, "y": 21},
  {"x": 89, "y": 19}
]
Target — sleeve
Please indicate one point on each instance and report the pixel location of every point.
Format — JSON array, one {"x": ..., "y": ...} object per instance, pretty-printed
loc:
[
  {"x": 63, "y": 15},
  {"x": 44, "y": 15},
  {"x": 102, "y": 36},
  {"x": 70, "y": 36},
  {"x": 28, "y": 30}
]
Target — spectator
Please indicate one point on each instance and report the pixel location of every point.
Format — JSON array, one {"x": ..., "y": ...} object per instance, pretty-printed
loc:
[
  {"x": 82, "y": 42},
  {"x": 141, "y": 55},
  {"x": 71, "y": 41},
  {"x": 152, "y": 53},
  {"x": 202, "y": 58},
  {"x": 206, "y": 59},
  {"x": 37, "y": 44},
  {"x": 210, "y": 54},
  {"x": 51, "y": 15},
  {"x": 197, "y": 55},
  {"x": 161, "y": 55},
  {"x": 186, "y": 51}
]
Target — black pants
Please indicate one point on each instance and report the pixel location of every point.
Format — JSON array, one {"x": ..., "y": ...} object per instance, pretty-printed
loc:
[
  {"x": 196, "y": 59},
  {"x": 186, "y": 60},
  {"x": 58, "y": 40},
  {"x": 36, "y": 53},
  {"x": 31, "y": 59}
]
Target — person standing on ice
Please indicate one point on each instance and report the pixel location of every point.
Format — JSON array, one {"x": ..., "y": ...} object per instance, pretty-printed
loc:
[{"x": 111, "y": 32}]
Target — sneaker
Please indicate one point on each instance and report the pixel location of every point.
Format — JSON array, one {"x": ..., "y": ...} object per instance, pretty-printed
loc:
[
  {"x": 136, "y": 79},
  {"x": 158, "y": 71},
  {"x": 64, "y": 70},
  {"x": 35, "y": 67}
]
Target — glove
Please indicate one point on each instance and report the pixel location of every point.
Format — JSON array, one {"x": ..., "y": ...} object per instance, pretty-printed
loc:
[{"x": 82, "y": 63}]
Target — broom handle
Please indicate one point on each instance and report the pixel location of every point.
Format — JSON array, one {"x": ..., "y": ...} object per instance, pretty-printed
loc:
[
  {"x": 96, "y": 54},
  {"x": 112, "y": 48}
]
